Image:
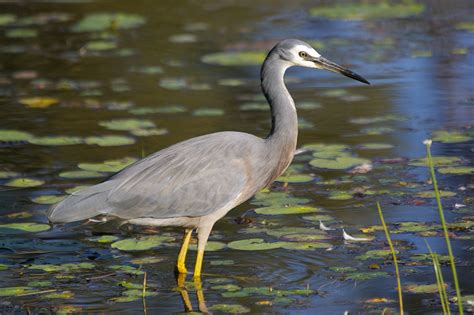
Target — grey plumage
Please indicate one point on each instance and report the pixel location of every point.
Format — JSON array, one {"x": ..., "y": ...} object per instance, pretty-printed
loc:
[{"x": 196, "y": 182}]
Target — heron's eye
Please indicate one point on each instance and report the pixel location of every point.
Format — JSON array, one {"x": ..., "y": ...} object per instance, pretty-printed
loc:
[{"x": 303, "y": 54}]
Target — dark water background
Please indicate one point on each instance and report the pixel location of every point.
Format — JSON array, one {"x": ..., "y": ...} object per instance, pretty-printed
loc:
[{"x": 421, "y": 69}]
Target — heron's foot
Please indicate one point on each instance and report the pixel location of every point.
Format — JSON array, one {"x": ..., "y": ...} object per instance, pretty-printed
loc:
[{"x": 181, "y": 268}]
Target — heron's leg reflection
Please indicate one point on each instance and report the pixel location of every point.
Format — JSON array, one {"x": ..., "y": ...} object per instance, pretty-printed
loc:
[
  {"x": 200, "y": 296},
  {"x": 188, "y": 307},
  {"x": 181, "y": 263},
  {"x": 181, "y": 279}
]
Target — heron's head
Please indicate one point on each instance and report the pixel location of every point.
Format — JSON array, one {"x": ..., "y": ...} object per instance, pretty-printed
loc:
[{"x": 299, "y": 53}]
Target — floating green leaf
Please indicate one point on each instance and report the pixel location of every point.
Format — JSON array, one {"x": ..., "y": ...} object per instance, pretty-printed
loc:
[
  {"x": 13, "y": 291},
  {"x": 108, "y": 166},
  {"x": 466, "y": 26},
  {"x": 340, "y": 195},
  {"x": 253, "y": 106},
  {"x": 377, "y": 119},
  {"x": 149, "y": 132},
  {"x": 24, "y": 227},
  {"x": 208, "y": 112},
  {"x": 295, "y": 178},
  {"x": 56, "y": 140},
  {"x": 230, "y": 308},
  {"x": 68, "y": 267},
  {"x": 6, "y": 19},
  {"x": 273, "y": 210},
  {"x": 21, "y": 33},
  {"x": 142, "y": 243},
  {"x": 47, "y": 199},
  {"x": 438, "y": 161},
  {"x": 368, "y": 11},
  {"x": 422, "y": 288},
  {"x": 127, "y": 269},
  {"x": 457, "y": 170},
  {"x": 376, "y": 253},
  {"x": 97, "y": 22},
  {"x": 80, "y": 174},
  {"x": 211, "y": 246},
  {"x": 103, "y": 239},
  {"x": 445, "y": 136},
  {"x": 108, "y": 141},
  {"x": 100, "y": 45},
  {"x": 253, "y": 244},
  {"x": 243, "y": 58},
  {"x": 127, "y": 124},
  {"x": 362, "y": 276},
  {"x": 14, "y": 135},
  {"x": 8, "y": 174},
  {"x": 375, "y": 146},
  {"x": 339, "y": 163},
  {"x": 431, "y": 194},
  {"x": 305, "y": 245},
  {"x": 39, "y": 101},
  {"x": 24, "y": 182}
]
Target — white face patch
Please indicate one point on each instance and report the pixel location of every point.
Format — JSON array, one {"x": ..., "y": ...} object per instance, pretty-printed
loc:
[{"x": 299, "y": 60}]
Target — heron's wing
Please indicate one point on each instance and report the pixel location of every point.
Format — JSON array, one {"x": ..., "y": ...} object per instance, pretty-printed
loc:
[{"x": 191, "y": 179}]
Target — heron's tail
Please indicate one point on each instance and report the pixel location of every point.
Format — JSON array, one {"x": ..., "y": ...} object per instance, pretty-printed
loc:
[{"x": 84, "y": 204}]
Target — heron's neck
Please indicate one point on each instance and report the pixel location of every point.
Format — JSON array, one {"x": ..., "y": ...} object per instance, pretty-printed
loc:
[{"x": 284, "y": 133}]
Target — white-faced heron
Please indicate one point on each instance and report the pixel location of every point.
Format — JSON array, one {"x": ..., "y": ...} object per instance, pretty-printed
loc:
[{"x": 194, "y": 183}]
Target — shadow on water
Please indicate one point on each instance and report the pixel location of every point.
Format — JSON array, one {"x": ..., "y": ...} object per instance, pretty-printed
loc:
[{"x": 72, "y": 75}]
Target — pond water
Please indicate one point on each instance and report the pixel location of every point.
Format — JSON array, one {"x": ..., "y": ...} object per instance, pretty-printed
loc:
[{"x": 83, "y": 82}]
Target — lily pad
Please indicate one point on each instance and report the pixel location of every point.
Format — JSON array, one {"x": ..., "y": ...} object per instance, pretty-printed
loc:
[
  {"x": 230, "y": 308},
  {"x": 13, "y": 291},
  {"x": 24, "y": 227},
  {"x": 142, "y": 243},
  {"x": 24, "y": 182},
  {"x": 368, "y": 11},
  {"x": 7, "y": 18},
  {"x": 208, "y": 112},
  {"x": 21, "y": 33},
  {"x": 375, "y": 146},
  {"x": 377, "y": 130},
  {"x": 305, "y": 245},
  {"x": 80, "y": 174},
  {"x": 277, "y": 199},
  {"x": 254, "y": 107},
  {"x": 286, "y": 210},
  {"x": 422, "y": 288},
  {"x": 39, "y": 101},
  {"x": 242, "y": 58},
  {"x": 127, "y": 124},
  {"x": 149, "y": 132},
  {"x": 98, "y": 22},
  {"x": 376, "y": 253},
  {"x": 295, "y": 178},
  {"x": 445, "y": 136},
  {"x": 56, "y": 140},
  {"x": 109, "y": 141},
  {"x": 127, "y": 269},
  {"x": 8, "y": 174},
  {"x": 456, "y": 170},
  {"x": 431, "y": 194},
  {"x": 108, "y": 166},
  {"x": 340, "y": 195},
  {"x": 14, "y": 135},
  {"x": 47, "y": 199},
  {"x": 362, "y": 276},
  {"x": 253, "y": 244},
  {"x": 100, "y": 45},
  {"x": 103, "y": 239},
  {"x": 339, "y": 163},
  {"x": 59, "y": 295},
  {"x": 438, "y": 161},
  {"x": 211, "y": 246}
]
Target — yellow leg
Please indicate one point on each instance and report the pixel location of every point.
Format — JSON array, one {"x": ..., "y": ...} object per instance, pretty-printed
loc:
[
  {"x": 181, "y": 263},
  {"x": 198, "y": 266}
]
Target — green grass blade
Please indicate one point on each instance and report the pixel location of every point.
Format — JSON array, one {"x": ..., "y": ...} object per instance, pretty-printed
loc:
[
  {"x": 440, "y": 281},
  {"x": 445, "y": 228},
  {"x": 394, "y": 255}
]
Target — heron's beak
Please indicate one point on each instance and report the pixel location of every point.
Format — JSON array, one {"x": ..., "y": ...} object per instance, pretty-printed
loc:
[{"x": 323, "y": 63}]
